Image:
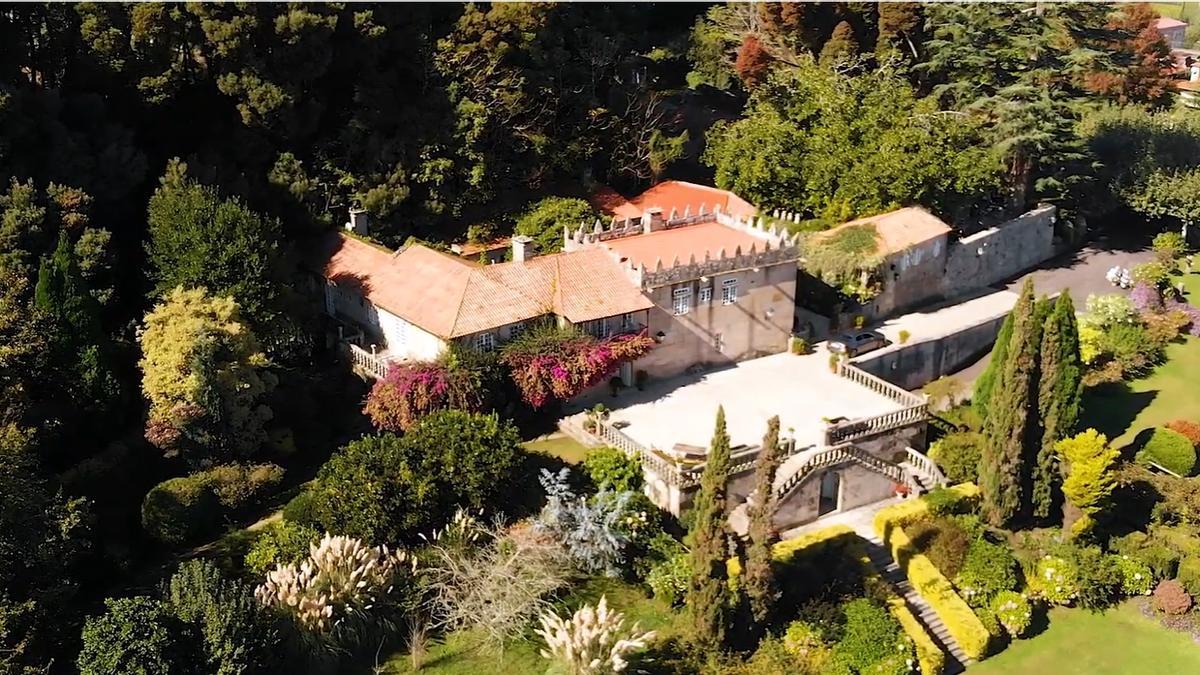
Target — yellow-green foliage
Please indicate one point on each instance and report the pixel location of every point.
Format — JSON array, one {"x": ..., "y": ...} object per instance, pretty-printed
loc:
[
  {"x": 785, "y": 551},
  {"x": 961, "y": 622},
  {"x": 1091, "y": 474},
  {"x": 199, "y": 357},
  {"x": 912, "y": 509}
]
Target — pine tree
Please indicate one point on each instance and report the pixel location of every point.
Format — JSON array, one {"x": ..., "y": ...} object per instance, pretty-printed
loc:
[
  {"x": 986, "y": 383},
  {"x": 706, "y": 596},
  {"x": 1090, "y": 467},
  {"x": 759, "y": 579},
  {"x": 1012, "y": 418},
  {"x": 1059, "y": 391}
]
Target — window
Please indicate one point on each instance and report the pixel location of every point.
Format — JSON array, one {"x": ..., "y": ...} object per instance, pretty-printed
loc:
[
  {"x": 516, "y": 329},
  {"x": 626, "y": 322},
  {"x": 485, "y": 342},
  {"x": 603, "y": 328},
  {"x": 705, "y": 295},
  {"x": 719, "y": 342},
  {"x": 729, "y": 291},
  {"x": 681, "y": 300}
]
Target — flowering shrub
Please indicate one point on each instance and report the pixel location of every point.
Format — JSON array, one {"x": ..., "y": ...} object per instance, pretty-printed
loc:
[
  {"x": 549, "y": 363},
  {"x": 1192, "y": 314},
  {"x": 987, "y": 571},
  {"x": 594, "y": 641},
  {"x": 1136, "y": 578},
  {"x": 338, "y": 589},
  {"x": 1055, "y": 580},
  {"x": 873, "y": 641},
  {"x": 1187, "y": 429},
  {"x": 1109, "y": 310},
  {"x": 411, "y": 391},
  {"x": 1146, "y": 298},
  {"x": 1013, "y": 611},
  {"x": 1152, "y": 273},
  {"x": 1119, "y": 276},
  {"x": 669, "y": 578}
]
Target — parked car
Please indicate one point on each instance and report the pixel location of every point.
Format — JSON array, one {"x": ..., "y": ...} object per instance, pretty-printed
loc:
[{"x": 858, "y": 342}]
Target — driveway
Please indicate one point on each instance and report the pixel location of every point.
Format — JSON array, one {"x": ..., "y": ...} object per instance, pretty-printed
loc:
[{"x": 1081, "y": 272}]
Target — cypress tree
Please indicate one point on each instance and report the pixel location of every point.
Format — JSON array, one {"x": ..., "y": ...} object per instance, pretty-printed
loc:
[
  {"x": 842, "y": 45},
  {"x": 79, "y": 341},
  {"x": 759, "y": 578},
  {"x": 1059, "y": 391},
  {"x": 706, "y": 598},
  {"x": 986, "y": 383},
  {"x": 1009, "y": 425}
]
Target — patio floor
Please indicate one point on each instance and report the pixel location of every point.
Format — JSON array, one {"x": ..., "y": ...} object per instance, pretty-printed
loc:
[{"x": 800, "y": 389}]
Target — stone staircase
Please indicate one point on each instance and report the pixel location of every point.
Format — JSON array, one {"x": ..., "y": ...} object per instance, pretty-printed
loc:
[{"x": 881, "y": 560}]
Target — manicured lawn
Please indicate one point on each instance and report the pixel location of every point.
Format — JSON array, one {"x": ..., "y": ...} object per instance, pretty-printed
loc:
[
  {"x": 563, "y": 447},
  {"x": 1118, "y": 642},
  {"x": 1169, "y": 393},
  {"x": 460, "y": 653}
]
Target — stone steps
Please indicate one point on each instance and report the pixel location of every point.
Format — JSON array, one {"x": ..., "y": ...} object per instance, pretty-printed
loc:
[{"x": 890, "y": 572}]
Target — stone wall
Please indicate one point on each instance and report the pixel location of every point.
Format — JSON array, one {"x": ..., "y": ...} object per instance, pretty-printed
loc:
[
  {"x": 999, "y": 253},
  {"x": 915, "y": 364}
]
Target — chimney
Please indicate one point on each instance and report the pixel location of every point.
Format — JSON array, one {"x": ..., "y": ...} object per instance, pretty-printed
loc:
[
  {"x": 652, "y": 220},
  {"x": 358, "y": 222},
  {"x": 522, "y": 248}
]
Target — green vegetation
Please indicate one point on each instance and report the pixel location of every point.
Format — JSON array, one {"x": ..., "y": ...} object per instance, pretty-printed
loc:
[
  {"x": 1088, "y": 643},
  {"x": 561, "y": 446}
]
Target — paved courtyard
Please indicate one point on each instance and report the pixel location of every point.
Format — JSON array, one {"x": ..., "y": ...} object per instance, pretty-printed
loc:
[{"x": 800, "y": 389}]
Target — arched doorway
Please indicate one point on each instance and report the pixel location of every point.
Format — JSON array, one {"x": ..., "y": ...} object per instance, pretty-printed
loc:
[{"x": 831, "y": 492}]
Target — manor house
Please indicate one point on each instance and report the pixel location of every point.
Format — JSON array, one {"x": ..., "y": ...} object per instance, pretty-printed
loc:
[{"x": 689, "y": 264}]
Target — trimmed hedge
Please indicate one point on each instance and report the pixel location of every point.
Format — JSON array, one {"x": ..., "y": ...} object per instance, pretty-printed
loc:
[
  {"x": 183, "y": 509},
  {"x": 785, "y": 551},
  {"x": 1171, "y": 450},
  {"x": 930, "y": 657},
  {"x": 961, "y": 622}
]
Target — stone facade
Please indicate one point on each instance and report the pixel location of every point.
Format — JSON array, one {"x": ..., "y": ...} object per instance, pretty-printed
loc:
[
  {"x": 910, "y": 278},
  {"x": 713, "y": 331}
]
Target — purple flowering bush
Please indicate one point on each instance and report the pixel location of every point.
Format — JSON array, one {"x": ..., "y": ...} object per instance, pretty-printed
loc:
[{"x": 550, "y": 363}]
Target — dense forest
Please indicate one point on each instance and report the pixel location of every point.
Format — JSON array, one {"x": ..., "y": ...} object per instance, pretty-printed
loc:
[{"x": 165, "y": 169}]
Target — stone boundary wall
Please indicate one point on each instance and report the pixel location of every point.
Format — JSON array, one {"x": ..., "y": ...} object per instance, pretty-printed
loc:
[
  {"x": 915, "y": 364},
  {"x": 1000, "y": 252}
]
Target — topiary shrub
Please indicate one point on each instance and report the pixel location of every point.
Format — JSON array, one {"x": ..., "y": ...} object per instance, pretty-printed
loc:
[
  {"x": 941, "y": 501},
  {"x": 613, "y": 469},
  {"x": 957, "y": 454},
  {"x": 239, "y": 485},
  {"x": 1013, "y": 611},
  {"x": 1171, "y": 450},
  {"x": 987, "y": 571},
  {"x": 180, "y": 509},
  {"x": 1171, "y": 598},
  {"x": 1136, "y": 578}
]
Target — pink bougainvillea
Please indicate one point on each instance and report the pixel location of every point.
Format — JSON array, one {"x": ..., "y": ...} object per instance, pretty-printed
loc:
[
  {"x": 412, "y": 390},
  {"x": 555, "y": 364}
]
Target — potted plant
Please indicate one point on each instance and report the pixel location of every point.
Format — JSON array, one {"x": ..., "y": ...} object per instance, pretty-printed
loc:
[{"x": 904, "y": 335}]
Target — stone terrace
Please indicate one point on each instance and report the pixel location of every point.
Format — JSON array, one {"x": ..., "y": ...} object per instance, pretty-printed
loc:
[{"x": 800, "y": 389}]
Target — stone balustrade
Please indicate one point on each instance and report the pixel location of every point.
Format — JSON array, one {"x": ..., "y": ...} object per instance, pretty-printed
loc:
[{"x": 368, "y": 363}]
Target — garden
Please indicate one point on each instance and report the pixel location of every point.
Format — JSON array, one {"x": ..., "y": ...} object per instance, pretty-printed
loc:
[{"x": 1065, "y": 519}]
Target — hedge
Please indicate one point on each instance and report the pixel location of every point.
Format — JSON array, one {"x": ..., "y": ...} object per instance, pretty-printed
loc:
[
  {"x": 785, "y": 551},
  {"x": 961, "y": 622},
  {"x": 183, "y": 509}
]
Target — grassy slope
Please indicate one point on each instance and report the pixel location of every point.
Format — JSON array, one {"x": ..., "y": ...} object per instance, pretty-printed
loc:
[
  {"x": 1167, "y": 394},
  {"x": 460, "y": 653},
  {"x": 1118, "y": 642},
  {"x": 563, "y": 447}
]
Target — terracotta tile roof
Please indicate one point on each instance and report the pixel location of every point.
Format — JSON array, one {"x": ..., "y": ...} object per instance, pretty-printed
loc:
[
  {"x": 679, "y": 195},
  {"x": 451, "y": 297},
  {"x": 1165, "y": 22},
  {"x": 609, "y": 202},
  {"x": 684, "y": 242},
  {"x": 901, "y": 229}
]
